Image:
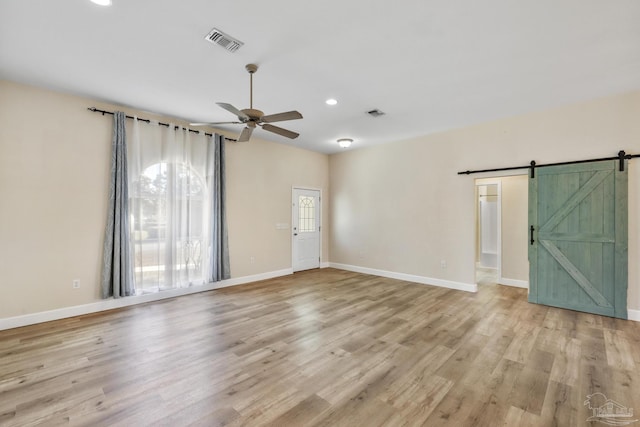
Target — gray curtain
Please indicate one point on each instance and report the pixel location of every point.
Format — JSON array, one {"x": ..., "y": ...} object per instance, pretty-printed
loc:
[
  {"x": 219, "y": 239},
  {"x": 117, "y": 277}
]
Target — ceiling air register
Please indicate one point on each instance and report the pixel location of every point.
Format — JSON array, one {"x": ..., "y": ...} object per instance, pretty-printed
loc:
[{"x": 218, "y": 37}]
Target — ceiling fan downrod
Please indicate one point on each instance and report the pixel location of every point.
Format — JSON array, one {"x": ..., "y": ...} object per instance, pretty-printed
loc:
[{"x": 251, "y": 68}]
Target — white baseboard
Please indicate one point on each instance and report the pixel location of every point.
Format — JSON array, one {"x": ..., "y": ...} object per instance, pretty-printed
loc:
[
  {"x": 253, "y": 278},
  {"x": 513, "y": 282},
  {"x": 633, "y": 315},
  {"x": 469, "y": 287},
  {"x": 109, "y": 304},
  {"x": 325, "y": 265}
]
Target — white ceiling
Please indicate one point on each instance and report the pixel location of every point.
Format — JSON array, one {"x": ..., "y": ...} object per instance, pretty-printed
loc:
[{"x": 428, "y": 65}]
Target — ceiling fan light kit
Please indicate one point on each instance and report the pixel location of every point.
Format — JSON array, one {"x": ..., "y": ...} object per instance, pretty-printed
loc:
[
  {"x": 252, "y": 117},
  {"x": 345, "y": 142}
]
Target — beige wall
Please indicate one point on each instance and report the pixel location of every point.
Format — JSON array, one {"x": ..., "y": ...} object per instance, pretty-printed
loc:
[
  {"x": 260, "y": 178},
  {"x": 54, "y": 164},
  {"x": 398, "y": 207},
  {"x": 402, "y": 207}
]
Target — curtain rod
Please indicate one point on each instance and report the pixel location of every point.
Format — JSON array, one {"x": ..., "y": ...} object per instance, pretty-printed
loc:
[
  {"x": 103, "y": 112},
  {"x": 621, "y": 157}
]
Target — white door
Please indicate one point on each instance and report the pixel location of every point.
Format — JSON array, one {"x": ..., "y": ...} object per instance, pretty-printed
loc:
[{"x": 305, "y": 221}]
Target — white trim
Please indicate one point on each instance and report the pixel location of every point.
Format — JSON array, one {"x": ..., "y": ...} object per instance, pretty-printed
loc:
[
  {"x": 469, "y": 287},
  {"x": 633, "y": 315},
  {"x": 513, "y": 282},
  {"x": 110, "y": 304},
  {"x": 325, "y": 265}
]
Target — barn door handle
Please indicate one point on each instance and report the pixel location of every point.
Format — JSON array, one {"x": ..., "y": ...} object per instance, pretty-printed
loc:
[{"x": 532, "y": 229}]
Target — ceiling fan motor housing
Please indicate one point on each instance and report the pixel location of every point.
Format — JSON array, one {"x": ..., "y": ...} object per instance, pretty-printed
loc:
[{"x": 255, "y": 115}]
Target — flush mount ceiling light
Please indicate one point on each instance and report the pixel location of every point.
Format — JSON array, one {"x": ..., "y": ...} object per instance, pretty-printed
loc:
[
  {"x": 102, "y": 2},
  {"x": 345, "y": 142},
  {"x": 331, "y": 101},
  {"x": 375, "y": 113}
]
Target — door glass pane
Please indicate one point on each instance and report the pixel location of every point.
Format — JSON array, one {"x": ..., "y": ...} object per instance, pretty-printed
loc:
[{"x": 306, "y": 214}]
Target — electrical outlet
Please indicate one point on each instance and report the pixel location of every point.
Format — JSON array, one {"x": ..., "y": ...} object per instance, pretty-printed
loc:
[
  {"x": 252, "y": 260},
  {"x": 443, "y": 264},
  {"x": 76, "y": 283}
]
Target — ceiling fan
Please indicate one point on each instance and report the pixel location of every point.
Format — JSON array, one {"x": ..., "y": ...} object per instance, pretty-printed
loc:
[{"x": 252, "y": 117}]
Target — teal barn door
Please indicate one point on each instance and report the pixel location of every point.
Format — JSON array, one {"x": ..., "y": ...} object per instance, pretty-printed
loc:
[{"x": 578, "y": 238}]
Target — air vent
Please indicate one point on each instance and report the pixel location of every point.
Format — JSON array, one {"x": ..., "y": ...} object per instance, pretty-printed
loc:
[
  {"x": 375, "y": 113},
  {"x": 226, "y": 41}
]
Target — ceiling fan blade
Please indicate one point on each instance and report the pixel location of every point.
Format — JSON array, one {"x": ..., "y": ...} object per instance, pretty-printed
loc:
[
  {"x": 245, "y": 135},
  {"x": 230, "y": 108},
  {"x": 215, "y": 123},
  {"x": 281, "y": 117},
  {"x": 280, "y": 131}
]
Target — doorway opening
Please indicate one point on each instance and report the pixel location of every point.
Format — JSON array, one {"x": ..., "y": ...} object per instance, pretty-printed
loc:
[
  {"x": 501, "y": 231},
  {"x": 488, "y": 231}
]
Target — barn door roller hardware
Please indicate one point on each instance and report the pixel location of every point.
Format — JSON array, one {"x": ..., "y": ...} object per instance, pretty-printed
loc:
[{"x": 622, "y": 156}]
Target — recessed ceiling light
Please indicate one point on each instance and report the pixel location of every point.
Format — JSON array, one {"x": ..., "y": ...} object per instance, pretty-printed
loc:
[
  {"x": 331, "y": 101},
  {"x": 102, "y": 2},
  {"x": 345, "y": 142}
]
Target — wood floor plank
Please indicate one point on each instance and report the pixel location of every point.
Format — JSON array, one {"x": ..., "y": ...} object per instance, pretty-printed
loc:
[
  {"x": 521, "y": 418},
  {"x": 561, "y": 406},
  {"x": 525, "y": 335},
  {"x": 531, "y": 386},
  {"x": 463, "y": 359},
  {"x": 489, "y": 358},
  {"x": 302, "y": 413},
  {"x": 567, "y": 361},
  {"x": 320, "y": 348},
  {"x": 493, "y": 394},
  {"x": 454, "y": 408},
  {"x": 619, "y": 354}
]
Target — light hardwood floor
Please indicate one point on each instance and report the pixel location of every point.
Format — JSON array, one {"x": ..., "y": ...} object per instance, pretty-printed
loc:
[{"x": 324, "y": 347}]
